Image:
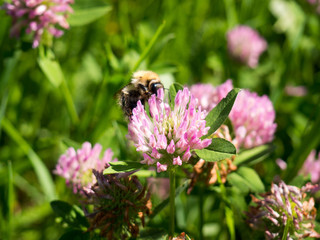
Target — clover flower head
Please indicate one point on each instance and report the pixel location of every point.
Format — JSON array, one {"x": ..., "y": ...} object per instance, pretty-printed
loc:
[
  {"x": 168, "y": 136},
  {"x": 246, "y": 45},
  {"x": 120, "y": 203},
  {"x": 76, "y": 165},
  {"x": 209, "y": 96},
  {"x": 252, "y": 117},
  {"x": 296, "y": 91},
  {"x": 38, "y": 17},
  {"x": 284, "y": 205},
  {"x": 312, "y": 166}
]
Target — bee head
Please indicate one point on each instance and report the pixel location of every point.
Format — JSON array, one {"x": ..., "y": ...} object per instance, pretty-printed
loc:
[
  {"x": 154, "y": 86},
  {"x": 147, "y": 82}
]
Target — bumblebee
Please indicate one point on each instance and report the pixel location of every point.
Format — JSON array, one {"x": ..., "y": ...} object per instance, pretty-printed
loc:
[{"x": 143, "y": 85}]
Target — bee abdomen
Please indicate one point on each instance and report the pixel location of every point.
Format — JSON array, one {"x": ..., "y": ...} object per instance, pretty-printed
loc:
[{"x": 129, "y": 101}]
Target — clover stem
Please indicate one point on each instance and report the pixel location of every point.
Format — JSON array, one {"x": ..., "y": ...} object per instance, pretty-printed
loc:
[
  {"x": 201, "y": 222},
  {"x": 172, "y": 176}
]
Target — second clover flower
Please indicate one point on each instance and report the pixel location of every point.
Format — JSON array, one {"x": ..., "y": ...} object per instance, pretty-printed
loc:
[
  {"x": 76, "y": 166},
  {"x": 246, "y": 45},
  {"x": 285, "y": 206},
  {"x": 168, "y": 136},
  {"x": 253, "y": 126},
  {"x": 39, "y": 18}
]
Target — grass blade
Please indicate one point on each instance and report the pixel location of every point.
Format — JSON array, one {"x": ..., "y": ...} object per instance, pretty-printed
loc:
[
  {"x": 22, "y": 184},
  {"x": 41, "y": 170},
  {"x": 10, "y": 201},
  {"x": 309, "y": 141},
  {"x": 53, "y": 71},
  {"x": 4, "y": 84},
  {"x": 147, "y": 50},
  {"x": 69, "y": 101}
]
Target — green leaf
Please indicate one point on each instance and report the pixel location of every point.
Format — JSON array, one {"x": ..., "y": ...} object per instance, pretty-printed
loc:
[
  {"x": 219, "y": 149},
  {"x": 82, "y": 17},
  {"x": 212, "y": 156},
  {"x": 220, "y": 113},
  {"x": 51, "y": 69},
  {"x": 75, "y": 235},
  {"x": 145, "y": 173},
  {"x": 246, "y": 179},
  {"x": 252, "y": 178},
  {"x": 222, "y": 145},
  {"x": 70, "y": 214},
  {"x": 254, "y": 154},
  {"x": 239, "y": 182},
  {"x": 173, "y": 89},
  {"x": 120, "y": 166}
]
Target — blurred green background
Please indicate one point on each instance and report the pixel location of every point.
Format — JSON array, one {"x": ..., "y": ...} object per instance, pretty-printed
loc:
[{"x": 184, "y": 42}]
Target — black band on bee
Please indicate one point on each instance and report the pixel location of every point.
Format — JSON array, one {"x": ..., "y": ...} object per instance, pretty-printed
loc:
[
  {"x": 155, "y": 86},
  {"x": 142, "y": 87}
]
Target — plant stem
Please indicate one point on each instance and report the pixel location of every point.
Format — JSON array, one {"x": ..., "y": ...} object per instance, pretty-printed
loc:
[
  {"x": 228, "y": 210},
  {"x": 172, "y": 176},
  {"x": 201, "y": 221},
  {"x": 286, "y": 230}
]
